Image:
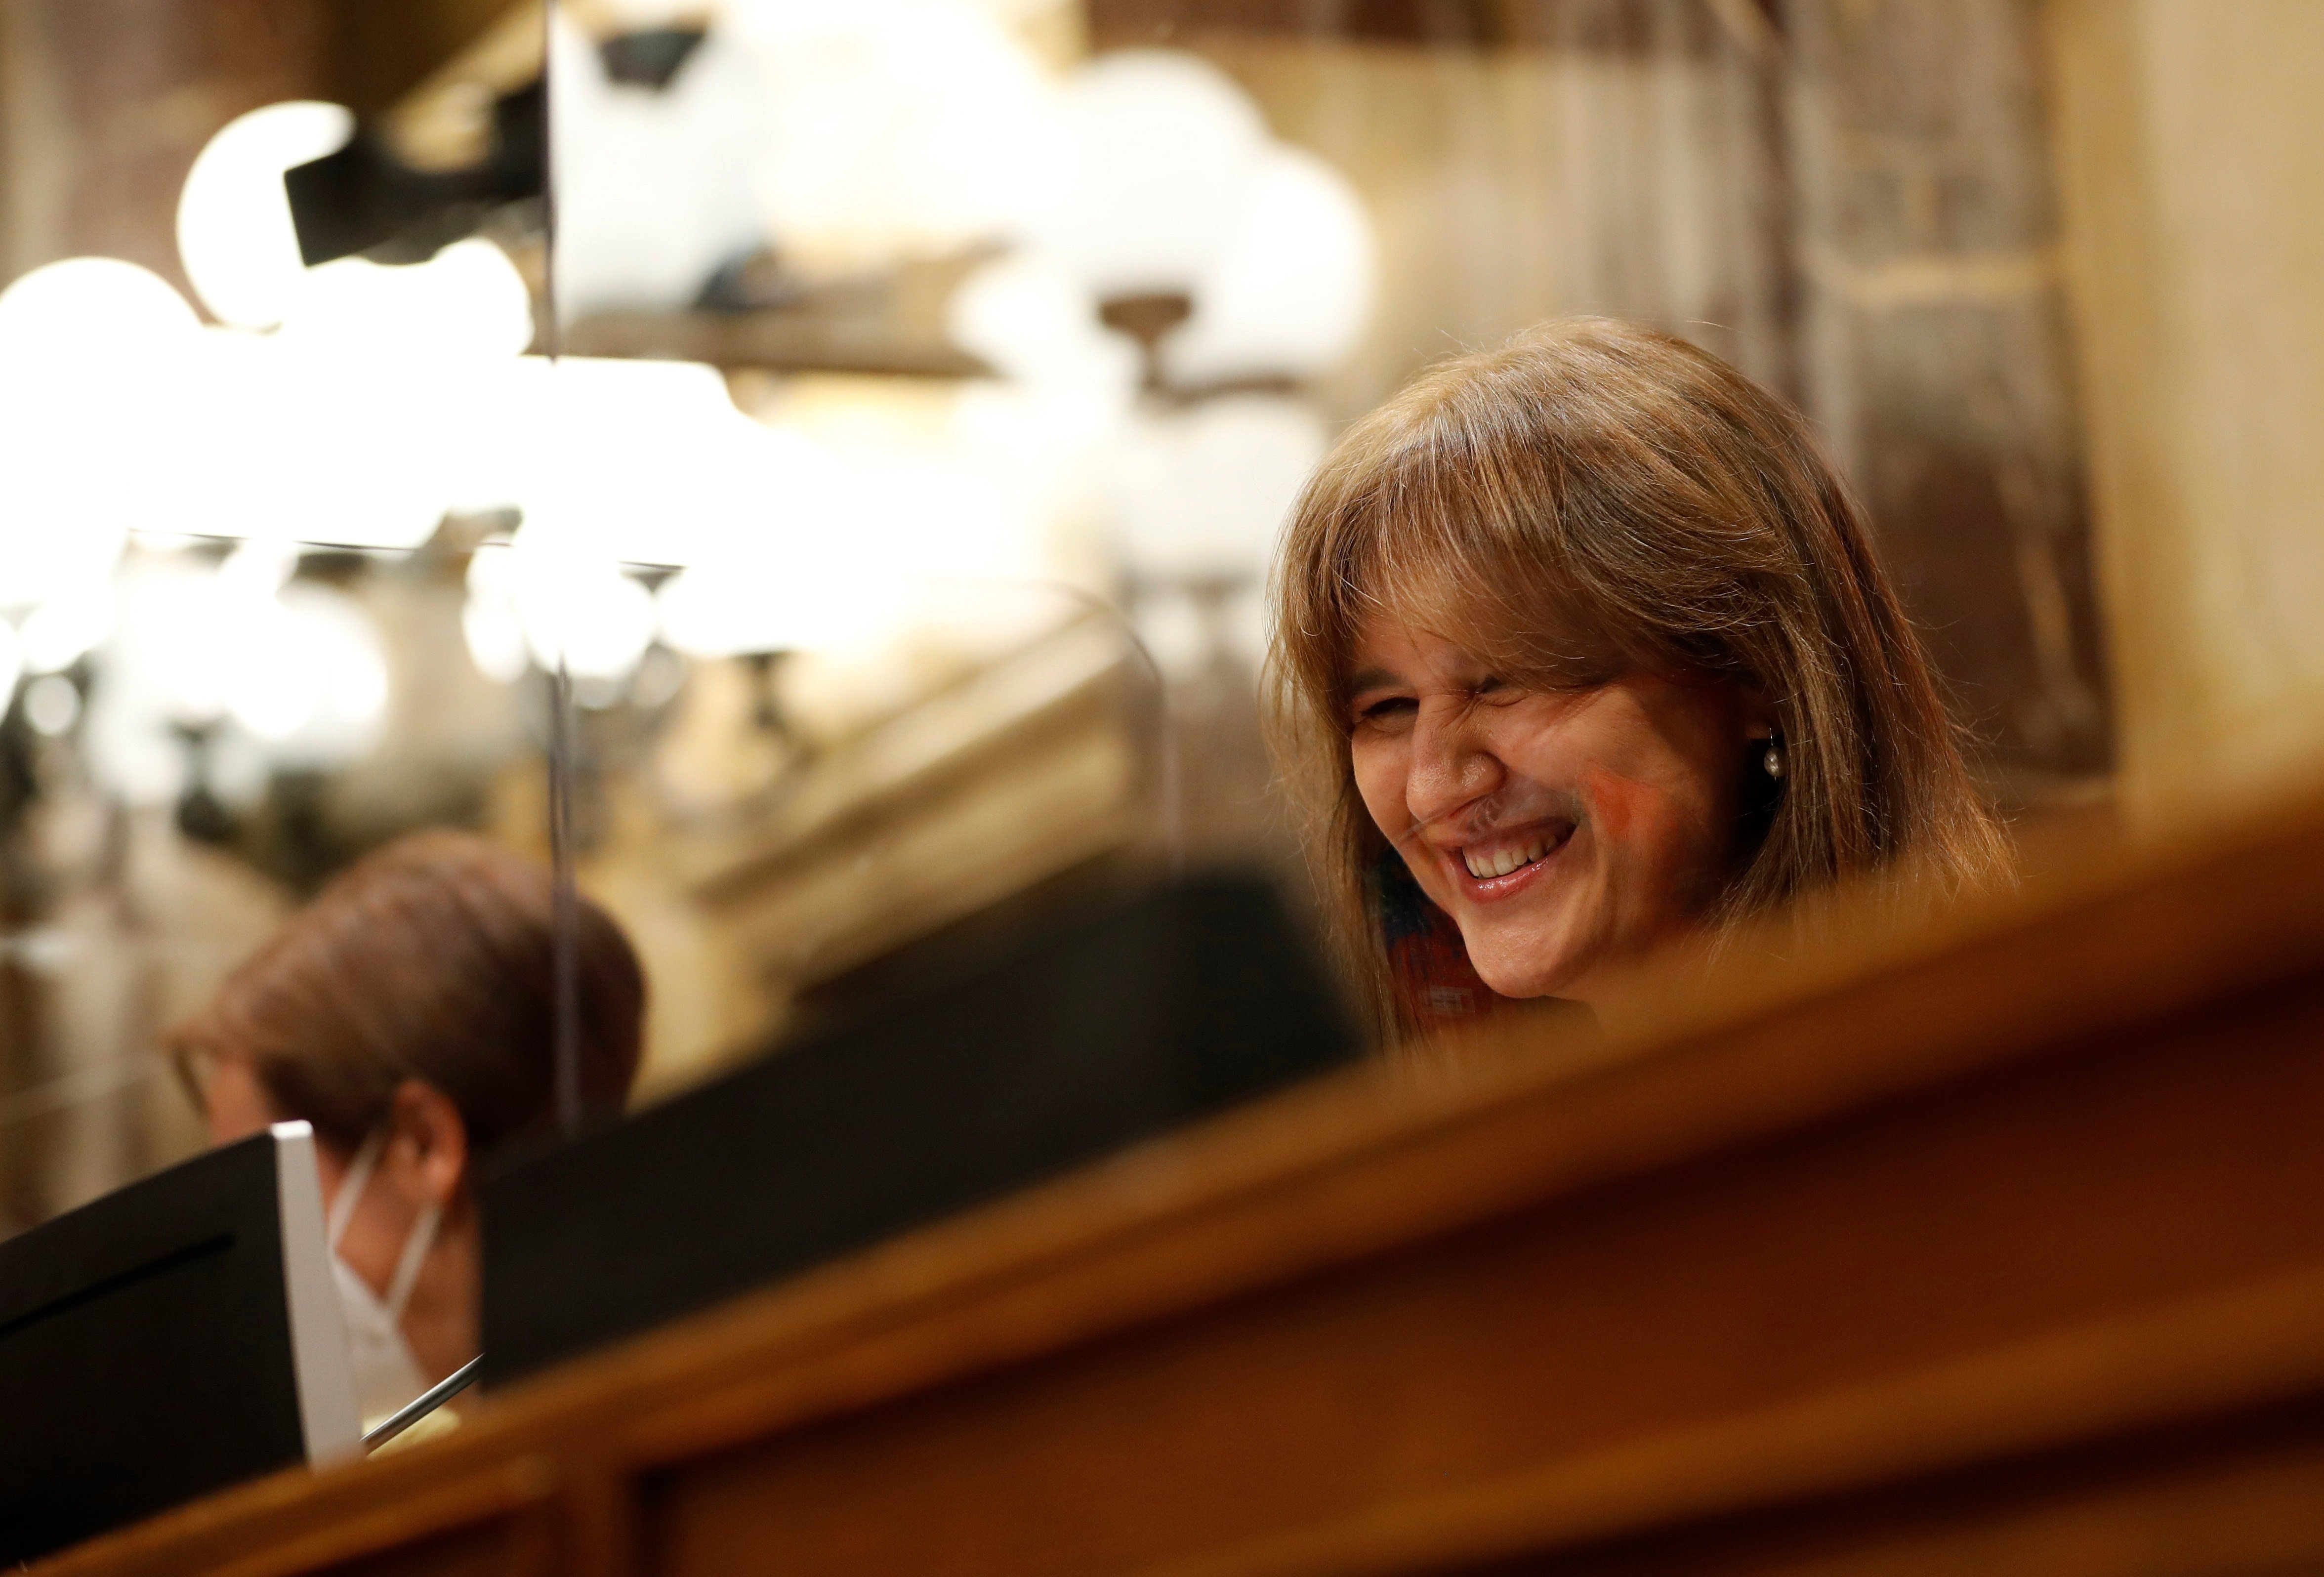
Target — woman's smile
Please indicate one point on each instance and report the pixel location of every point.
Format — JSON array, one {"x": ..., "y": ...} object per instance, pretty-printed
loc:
[{"x": 1495, "y": 866}]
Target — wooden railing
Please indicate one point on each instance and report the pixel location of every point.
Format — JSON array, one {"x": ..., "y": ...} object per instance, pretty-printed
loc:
[{"x": 1995, "y": 1248}]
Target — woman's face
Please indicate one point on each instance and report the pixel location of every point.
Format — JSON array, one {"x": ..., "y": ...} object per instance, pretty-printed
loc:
[{"x": 1563, "y": 830}]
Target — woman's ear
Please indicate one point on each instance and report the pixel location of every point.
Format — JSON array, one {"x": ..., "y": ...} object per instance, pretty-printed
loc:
[
  {"x": 428, "y": 1144},
  {"x": 1756, "y": 713}
]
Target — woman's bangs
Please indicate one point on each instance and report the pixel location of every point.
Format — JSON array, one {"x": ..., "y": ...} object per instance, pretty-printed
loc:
[{"x": 1436, "y": 553}]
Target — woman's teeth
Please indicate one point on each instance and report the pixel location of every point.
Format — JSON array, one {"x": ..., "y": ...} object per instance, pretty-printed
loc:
[{"x": 1485, "y": 867}]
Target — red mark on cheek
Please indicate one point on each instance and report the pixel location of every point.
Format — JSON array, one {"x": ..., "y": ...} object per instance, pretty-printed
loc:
[
  {"x": 1617, "y": 803},
  {"x": 1665, "y": 862}
]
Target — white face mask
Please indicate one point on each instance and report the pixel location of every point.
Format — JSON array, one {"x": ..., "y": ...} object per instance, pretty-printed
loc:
[{"x": 386, "y": 1374}]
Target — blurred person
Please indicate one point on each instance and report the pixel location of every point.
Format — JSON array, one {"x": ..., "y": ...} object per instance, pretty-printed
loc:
[
  {"x": 408, "y": 1014},
  {"x": 1580, "y": 646}
]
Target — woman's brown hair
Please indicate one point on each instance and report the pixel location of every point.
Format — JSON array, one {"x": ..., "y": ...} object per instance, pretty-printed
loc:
[
  {"x": 1592, "y": 496},
  {"x": 432, "y": 959}
]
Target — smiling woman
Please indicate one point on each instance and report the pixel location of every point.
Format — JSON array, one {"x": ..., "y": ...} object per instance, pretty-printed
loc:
[{"x": 1580, "y": 646}]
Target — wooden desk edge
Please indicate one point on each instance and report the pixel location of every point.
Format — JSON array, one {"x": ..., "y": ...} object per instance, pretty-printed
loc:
[{"x": 1357, "y": 1166}]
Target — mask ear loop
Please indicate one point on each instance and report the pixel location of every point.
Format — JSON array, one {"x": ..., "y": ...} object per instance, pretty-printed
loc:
[
  {"x": 416, "y": 1244},
  {"x": 406, "y": 1267},
  {"x": 352, "y": 1186}
]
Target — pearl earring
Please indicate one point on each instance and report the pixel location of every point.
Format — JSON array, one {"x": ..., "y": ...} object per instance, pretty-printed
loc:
[{"x": 1772, "y": 764}]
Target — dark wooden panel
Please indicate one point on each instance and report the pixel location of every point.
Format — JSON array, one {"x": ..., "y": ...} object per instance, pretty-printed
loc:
[
  {"x": 498, "y": 1549},
  {"x": 2026, "y": 1204},
  {"x": 2244, "y": 1496}
]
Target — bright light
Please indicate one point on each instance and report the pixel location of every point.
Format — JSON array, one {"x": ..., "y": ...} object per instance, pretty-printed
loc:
[
  {"x": 51, "y": 705},
  {"x": 87, "y": 310},
  {"x": 489, "y": 623},
  {"x": 1167, "y": 146},
  {"x": 495, "y": 639},
  {"x": 653, "y": 187},
  {"x": 282, "y": 675},
  {"x": 1201, "y": 495},
  {"x": 645, "y": 462},
  {"x": 575, "y": 607},
  {"x": 74, "y": 620},
  {"x": 908, "y": 128},
  {"x": 389, "y": 396},
  {"x": 91, "y": 351},
  {"x": 800, "y": 594},
  {"x": 283, "y": 440},
  {"x": 235, "y": 236},
  {"x": 1292, "y": 292},
  {"x": 157, "y": 673},
  {"x": 1029, "y": 318},
  {"x": 305, "y": 673},
  {"x": 808, "y": 556},
  {"x": 468, "y": 300}
]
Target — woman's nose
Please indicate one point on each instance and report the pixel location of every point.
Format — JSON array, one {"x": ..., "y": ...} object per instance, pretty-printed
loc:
[{"x": 1450, "y": 767}]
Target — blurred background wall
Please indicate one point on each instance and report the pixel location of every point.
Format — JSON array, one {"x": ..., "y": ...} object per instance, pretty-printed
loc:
[{"x": 2190, "y": 141}]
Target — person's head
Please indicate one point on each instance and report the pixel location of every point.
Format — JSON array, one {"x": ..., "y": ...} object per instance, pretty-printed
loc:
[
  {"x": 409, "y": 1014},
  {"x": 1544, "y": 621},
  {"x": 423, "y": 976}
]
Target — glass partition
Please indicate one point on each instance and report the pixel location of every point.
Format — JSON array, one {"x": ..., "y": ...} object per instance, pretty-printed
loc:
[{"x": 242, "y": 513}]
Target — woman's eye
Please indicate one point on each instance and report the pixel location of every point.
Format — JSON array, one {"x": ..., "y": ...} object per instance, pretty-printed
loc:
[{"x": 1387, "y": 709}]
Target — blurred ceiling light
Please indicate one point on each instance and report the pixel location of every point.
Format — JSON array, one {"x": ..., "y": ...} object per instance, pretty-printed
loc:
[
  {"x": 257, "y": 568},
  {"x": 1292, "y": 291},
  {"x": 91, "y": 354},
  {"x": 652, "y": 185},
  {"x": 1165, "y": 148},
  {"x": 85, "y": 309},
  {"x": 62, "y": 508},
  {"x": 489, "y": 623},
  {"x": 72, "y": 621},
  {"x": 156, "y": 674},
  {"x": 576, "y": 609},
  {"x": 803, "y": 599},
  {"x": 1028, "y": 316},
  {"x": 802, "y": 563},
  {"x": 901, "y": 129},
  {"x": 1202, "y": 493},
  {"x": 468, "y": 301},
  {"x": 236, "y": 236},
  {"x": 634, "y": 461},
  {"x": 283, "y": 440},
  {"x": 280, "y": 674},
  {"x": 495, "y": 639},
  {"x": 51, "y": 705},
  {"x": 307, "y": 673}
]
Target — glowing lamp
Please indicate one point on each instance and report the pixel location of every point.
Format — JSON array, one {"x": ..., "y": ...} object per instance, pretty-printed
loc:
[
  {"x": 1292, "y": 291},
  {"x": 236, "y": 236},
  {"x": 1165, "y": 147},
  {"x": 1201, "y": 495},
  {"x": 468, "y": 301},
  {"x": 89, "y": 309}
]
